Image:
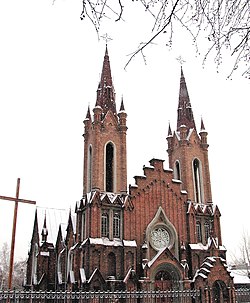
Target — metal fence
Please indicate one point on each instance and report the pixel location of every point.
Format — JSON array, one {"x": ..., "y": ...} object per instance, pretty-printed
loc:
[
  {"x": 242, "y": 295},
  {"x": 169, "y": 296},
  {"x": 173, "y": 296}
]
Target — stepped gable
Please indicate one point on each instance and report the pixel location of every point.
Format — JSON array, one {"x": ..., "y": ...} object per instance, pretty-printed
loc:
[
  {"x": 210, "y": 268},
  {"x": 155, "y": 173}
]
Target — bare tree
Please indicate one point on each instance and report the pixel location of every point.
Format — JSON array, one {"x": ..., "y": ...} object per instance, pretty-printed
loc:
[
  {"x": 222, "y": 24},
  {"x": 18, "y": 273},
  {"x": 241, "y": 261}
]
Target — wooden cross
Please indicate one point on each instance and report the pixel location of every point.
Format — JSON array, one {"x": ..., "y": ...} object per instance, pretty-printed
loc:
[{"x": 12, "y": 249}]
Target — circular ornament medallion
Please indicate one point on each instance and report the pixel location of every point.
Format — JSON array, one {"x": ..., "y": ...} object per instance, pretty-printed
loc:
[{"x": 159, "y": 238}]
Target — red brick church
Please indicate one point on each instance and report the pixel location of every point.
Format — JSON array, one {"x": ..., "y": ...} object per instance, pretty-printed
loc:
[{"x": 161, "y": 233}]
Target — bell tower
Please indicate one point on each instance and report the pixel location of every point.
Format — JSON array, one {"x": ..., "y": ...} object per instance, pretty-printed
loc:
[
  {"x": 105, "y": 153},
  {"x": 188, "y": 151}
]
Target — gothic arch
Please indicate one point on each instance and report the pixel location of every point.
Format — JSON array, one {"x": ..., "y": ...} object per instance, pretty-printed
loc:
[
  {"x": 165, "y": 277},
  {"x": 177, "y": 170},
  {"x": 110, "y": 167},
  {"x": 111, "y": 265},
  {"x": 198, "y": 181},
  {"x": 220, "y": 292},
  {"x": 34, "y": 264},
  {"x": 90, "y": 168},
  {"x": 160, "y": 220}
]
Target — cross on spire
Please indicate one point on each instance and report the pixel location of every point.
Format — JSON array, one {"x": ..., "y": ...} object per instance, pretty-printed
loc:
[
  {"x": 106, "y": 38},
  {"x": 12, "y": 249},
  {"x": 180, "y": 60}
]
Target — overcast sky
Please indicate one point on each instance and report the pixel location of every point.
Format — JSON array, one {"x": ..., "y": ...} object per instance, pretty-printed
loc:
[{"x": 50, "y": 65}]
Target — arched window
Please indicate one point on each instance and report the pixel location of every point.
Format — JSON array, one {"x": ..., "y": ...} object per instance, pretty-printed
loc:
[
  {"x": 111, "y": 264},
  {"x": 105, "y": 224},
  {"x": 109, "y": 167},
  {"x": 207, "y": 230},
  {"x": 70, "y": 263},
  {"x": 177, "y": 170},
  {"x": 116, "y": 225},
  {"x": 90, "y": 159},
  {"x": 220, "y": 292},
  {"x": 60, "y": 267},
  {"x": 34, "y": 264},
  {"x": 197, "y": 181},
  {"x": 198, "y": 231},
  {"x": 83, "y": 229}
]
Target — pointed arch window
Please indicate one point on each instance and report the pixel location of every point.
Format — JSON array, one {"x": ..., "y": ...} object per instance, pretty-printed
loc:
[
  {"x": 34, "y": 264},
  {"x": 90, "y": 168},
  {"x": 111, "y": 265},
  {"x": 197, "y": 181},
  {"x": 116, "y": 225},
  {"x": 177, "y": 170},
  {"x": 105, "y": 224},
  {"x": 207, "y": 230},
  {"x": 198, "y": 232},
  {"x": 109, "y": 167},
  {"x": 83, "y": 226}
]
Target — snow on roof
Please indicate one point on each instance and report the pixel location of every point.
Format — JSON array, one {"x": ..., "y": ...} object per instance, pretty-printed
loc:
[
  {"x": 240, "y": 276},
  {"x": 176, "y": 181},
  {"x": 54, "y": 217},
  {"x": 106, "y": 241},
  {"x": 130, "y": 243},
  {"x": 200, "y": 246},
  {"x": 151, "y": 262}
]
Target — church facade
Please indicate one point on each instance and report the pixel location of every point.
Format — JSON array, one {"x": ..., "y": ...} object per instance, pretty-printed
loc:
[{"x": 161, "y": 233}]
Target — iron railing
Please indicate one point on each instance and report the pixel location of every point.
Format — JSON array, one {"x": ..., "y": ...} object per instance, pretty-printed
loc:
[
  {"x": 242, "y": 295},
  {"x": 168, "y": 296}
]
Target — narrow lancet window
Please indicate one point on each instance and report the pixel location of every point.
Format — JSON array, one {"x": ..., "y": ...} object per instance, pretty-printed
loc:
[
  {"x": 116, "y": 225},
  {"x": 105, "y": 224},
  {"x": 198, "y": 231},
  {"x": 197, "y": 181},
  {"x": 207, "y": 230},
  {"x": 109, "y": 167},
  {"x": 112, "y": 265},
  {"x": 90, "y": 159},
  {"x": 177, "y": 170}
]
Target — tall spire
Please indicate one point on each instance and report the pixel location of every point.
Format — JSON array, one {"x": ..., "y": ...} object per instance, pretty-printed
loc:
[
  {"x": 185, "y": 113},
  {"x": 105, "y": 92}
]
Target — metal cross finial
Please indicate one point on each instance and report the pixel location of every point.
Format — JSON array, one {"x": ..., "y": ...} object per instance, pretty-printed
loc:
[
  {"x": 180, "y": 60},
  {"x": 106, "y": 38}
]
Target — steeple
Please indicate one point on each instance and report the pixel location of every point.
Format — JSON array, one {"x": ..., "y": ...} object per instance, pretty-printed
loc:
[
  {"x": 44, "y": 230},
  {"x": 105, "y": 92},
  {"x": 185, "y": 113},
  {"x": 105, "y": 162}
]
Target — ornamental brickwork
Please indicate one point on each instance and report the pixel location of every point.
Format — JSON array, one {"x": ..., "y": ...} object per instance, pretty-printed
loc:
[{"x": 162, "y": 233}]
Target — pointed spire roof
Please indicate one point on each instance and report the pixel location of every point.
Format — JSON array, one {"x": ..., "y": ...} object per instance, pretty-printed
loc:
[
  {"x": 185, "y": 112},
  {"x": 88, "y": 116},
  {"x": 122, "y": 108},
  {"x": 105, "y": 92},
  {"x": 169, "y": 130},
  {"x": 44, "y": 230},
  {"x": 202, "y": 125}
]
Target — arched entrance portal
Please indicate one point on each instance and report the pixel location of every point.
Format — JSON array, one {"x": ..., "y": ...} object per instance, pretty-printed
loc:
[
  {"x": 220, "y": 292},
  {"x": 167, "y": 277}
]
